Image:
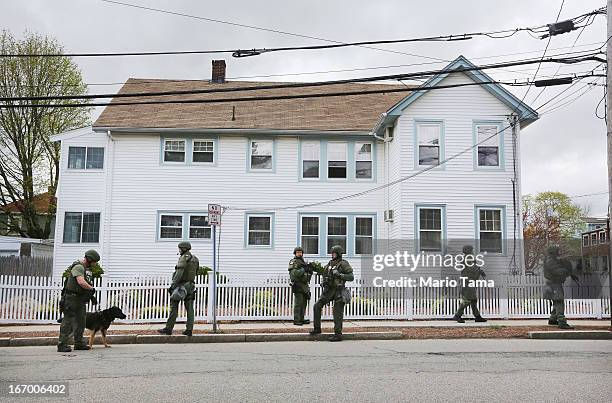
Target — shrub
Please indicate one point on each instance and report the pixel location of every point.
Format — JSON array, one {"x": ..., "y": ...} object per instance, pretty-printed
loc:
[
  {"x": 262, "y": 304},
  {"x": 96, "y": 271},
  {"x": 368, "y": 307}
]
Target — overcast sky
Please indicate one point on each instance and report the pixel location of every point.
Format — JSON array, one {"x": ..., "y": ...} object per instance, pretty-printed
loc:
[{"x": 564, "y": 151}]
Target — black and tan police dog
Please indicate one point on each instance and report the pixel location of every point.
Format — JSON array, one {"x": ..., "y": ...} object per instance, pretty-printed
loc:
[{"x": 100, "y": 321}]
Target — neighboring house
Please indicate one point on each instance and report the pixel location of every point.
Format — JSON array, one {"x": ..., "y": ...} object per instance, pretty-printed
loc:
[
  {"x": 140, "y": 180},
  {"x": 11, "y": 213},
  {"x": 17, "y": 246},
  {"x": 595, "y": 245}
]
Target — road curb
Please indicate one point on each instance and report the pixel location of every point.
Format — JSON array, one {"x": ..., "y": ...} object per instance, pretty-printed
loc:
[
  {"x": 572, "y": 335},
  {"x": 201, "y": 338}
]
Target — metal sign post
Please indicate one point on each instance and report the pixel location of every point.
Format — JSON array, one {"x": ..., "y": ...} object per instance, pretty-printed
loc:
[{"x": 214, "y": 219}]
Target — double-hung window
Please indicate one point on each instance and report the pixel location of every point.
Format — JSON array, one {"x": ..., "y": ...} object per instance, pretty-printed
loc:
[
  {"x": 203, "y": 151},
  {"x": 310, "y": 159},
  {"x": 310, "y": 235},
  {"x": 336, "y": 160},
  {"x": 199, "y": 228},
  {"x": 261, "y": 154},
  {"x": 430, "y": 229},
  {"x": 363, "y": 160},
  {"x": 259, "y": 230},
  {"x": 336, "y": 232},
  {"x": 85, "y": 157},
  {"x": 171, "y": 226},
  {"x": 364, "y": 233},
  {"x": 174, "y": 150},
  {"x": 490, "y": 230},
  {"x": 81, "y": 227},
  {"x": 429, "y": 139},
  {"x": 488, "y": 140}
]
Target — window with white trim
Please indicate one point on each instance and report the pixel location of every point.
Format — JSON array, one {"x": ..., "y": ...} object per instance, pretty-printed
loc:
[
  {"x": 430, "y": 229},
  {"x": 364, "y": 234},
  {"x": 428, "y": 135},
  {"x": 363, "y": 160},
  {"x": 585, "y": 240},
  {"x": 81, "y": 227},
  {"x": 488, "y": 151},
  {"x": 336, "y": 160},
  {"x": 336, "y": 232},
  {"x": 203, "y": 151},
  {"x": 85, "y": 157},
  {"x": 490, "y": 230},
  {"x": 174, "y": 150},
  {"x": 310, "y": 235},
  {"x": 262, "y": 154},
  {"x": 259, "y": 230},
  {"x": 199, "y": 228},
  {"x": 310, "y": 159},
  {"x": 171, "y": 226}
]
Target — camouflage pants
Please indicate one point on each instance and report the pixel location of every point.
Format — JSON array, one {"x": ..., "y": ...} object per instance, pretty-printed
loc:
[
  {"x": 300, "y": 300},
  {"x": 73, "y": 321},
  {"x": 174, "y": 306},
  {"x": 557, "y": 312},
  {"x": 338, "y": 312},
  {"x": 472, "y": 303}
]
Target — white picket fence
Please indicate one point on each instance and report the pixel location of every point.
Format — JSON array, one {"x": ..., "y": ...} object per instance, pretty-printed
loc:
[{"x": 26, "y": 299}]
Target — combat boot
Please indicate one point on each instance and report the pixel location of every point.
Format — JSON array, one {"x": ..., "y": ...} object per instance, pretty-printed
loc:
[
  {"x": 552, "y": 322},
  {"x": 82, "y": 347},
  {"x": 188, "y": 333},
  {"x": 315, "y": 332},
  {"x": 298, "y": 323},
  {"x": 306, "y": 322},
  {"x": 64, "y": 349},
  {"x": 459, "y": 319},
  {"x": 335, "y": 337},
  {"x": 479, "y": 319},
  {"x": 165, "y": 331},
  {"x": 564, "y": 325}
]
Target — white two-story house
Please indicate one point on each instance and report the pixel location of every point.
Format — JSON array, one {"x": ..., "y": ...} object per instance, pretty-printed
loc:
[{"x": 139, "y": 181}]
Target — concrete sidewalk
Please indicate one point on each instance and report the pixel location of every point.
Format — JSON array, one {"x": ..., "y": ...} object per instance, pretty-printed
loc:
[{"x": 6, "y": 329}]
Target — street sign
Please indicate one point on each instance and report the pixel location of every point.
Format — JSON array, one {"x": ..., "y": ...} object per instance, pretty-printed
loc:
[{"x": 214, "y": 214}]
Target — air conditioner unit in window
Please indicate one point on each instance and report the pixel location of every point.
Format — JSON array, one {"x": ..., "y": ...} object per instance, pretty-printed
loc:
[{"x": 389, "y": 215}]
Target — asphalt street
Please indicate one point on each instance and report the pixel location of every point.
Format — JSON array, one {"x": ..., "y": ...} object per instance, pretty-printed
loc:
[{"x": 404, "y": 370}]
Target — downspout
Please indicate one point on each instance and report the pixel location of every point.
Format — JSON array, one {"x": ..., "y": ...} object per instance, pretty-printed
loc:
[
  {"x": 375, "y": 130},
  {"x": 110, "y": 163},
  {"x": 378, "y": 125}
]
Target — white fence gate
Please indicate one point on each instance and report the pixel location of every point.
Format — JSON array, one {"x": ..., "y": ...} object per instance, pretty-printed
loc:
[{"x": 25, "y": 299}]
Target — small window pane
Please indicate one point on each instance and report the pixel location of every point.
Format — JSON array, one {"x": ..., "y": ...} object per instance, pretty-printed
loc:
[
  {"x": 311, "y": 169},
  {"x": 95, "y": 157},
  {"x": 336, "y": 240},
  {"x": 257, "y": 238},
  {"x": 171, "y": 226},
  {"x": 72, "y": 227},
  {"x": 363, "y": 245},
  {"x": 310, "y": 151},
  {"x": 76, "y": 157},
  {"x": 310, "y": 244},
  {"x": 336, "y": 151},
  {"x": 429, "y": 135},
  {"x": 310, "y": 225},
  {"x": 259, "y": 223},
  {"x": 429, "y": 155},
  {"x": 488, "y": 136},
  {"x": 363, "y": 151},
  {"x": 199, "y": 227},
  {"x": 491, "y": 242},
  {"x": 336, "y": 225},
  {"x": 488, "y": 156},
  {"x": 431, "y": 219},
  {"x": 261, "y": 154},
  {"x": 363, "y": 169},
  {"x": 336, "y": 169},
  {"x": 203, "y": 151},
  {"x": 363, "y": 226},
  {"x": 431, "y": 241}
]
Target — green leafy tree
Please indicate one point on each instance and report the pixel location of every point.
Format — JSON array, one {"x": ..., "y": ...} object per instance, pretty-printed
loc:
[
  {"x": 29, "y": 160},
  {"x": 550, "y": 218}
]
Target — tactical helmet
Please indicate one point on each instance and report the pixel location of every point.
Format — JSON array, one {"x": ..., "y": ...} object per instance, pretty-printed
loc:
[
  {"x": 184, "y": 245},
  {"x": 92, "y": 255},
  {"x": 337, "y": 249},
  {"x": 298, "y": 249},
  {"x": 468, "y": 250},
  {"x": 553, "y": 250}
]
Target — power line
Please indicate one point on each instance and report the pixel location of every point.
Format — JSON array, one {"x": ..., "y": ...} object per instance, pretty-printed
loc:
[
  {"x": 588, "y": 194},
  {"x": 293, "y": 85}
]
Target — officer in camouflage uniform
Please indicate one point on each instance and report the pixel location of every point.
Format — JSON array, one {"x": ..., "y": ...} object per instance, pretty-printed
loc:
[
  {"x": 77, "y": 292},
  {"x": 335, "y": 274},
  {"x": 469, "y": 295},
  {"x": 300, "y": 274},
  {"x": 184, "y": 275},
  {"x": 556, "y": 271}
]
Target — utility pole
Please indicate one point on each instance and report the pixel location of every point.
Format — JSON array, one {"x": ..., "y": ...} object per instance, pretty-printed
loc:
[{"x": 609, "y": 141}]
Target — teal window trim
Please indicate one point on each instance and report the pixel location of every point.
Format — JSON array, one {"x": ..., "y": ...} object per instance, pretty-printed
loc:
[
  {"x": 354, "y": 243},
  {"x": 442, "y": 148},
  {"x": 189, "y": 139},
  {"x": 246, "y": 229},
  {"x": 185, "y": 226},
  {"x": 299, "y": 240},
  {"x": 350, "y": 239},
  {"x": 350, "y": 163},
  {"x": 504, "y": 226},
  {"x": 248, "y": 153},
  {"x": 501, "y": 151},
  {"x": 417, "y": 226}
]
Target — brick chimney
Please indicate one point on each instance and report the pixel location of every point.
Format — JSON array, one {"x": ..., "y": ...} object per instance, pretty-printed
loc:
[{"x": 218, "y": 71}]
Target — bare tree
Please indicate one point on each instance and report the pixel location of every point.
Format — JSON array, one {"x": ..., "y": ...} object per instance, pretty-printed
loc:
[{"x": 29, "y": 161}]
